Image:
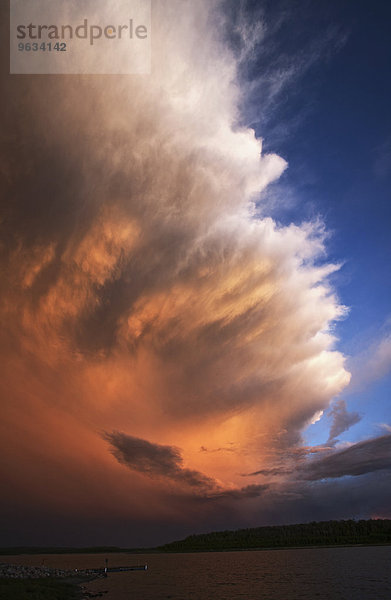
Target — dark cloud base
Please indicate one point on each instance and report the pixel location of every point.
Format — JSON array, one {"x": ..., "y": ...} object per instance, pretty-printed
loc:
[
  {"x": 366, "y": 497},
  {"x": 361, "y": 458},
  {"x": 155, "y": 460},
  {"x": 137, "y": 281}
]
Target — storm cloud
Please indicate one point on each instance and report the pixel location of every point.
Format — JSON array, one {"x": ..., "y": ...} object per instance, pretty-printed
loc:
[
  {"x": 358, "y": 459},
  {"x": 142, "y": 292}
]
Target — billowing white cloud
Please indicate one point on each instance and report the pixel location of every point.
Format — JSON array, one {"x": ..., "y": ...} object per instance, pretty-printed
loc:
[{"x": 143, "y": 294}]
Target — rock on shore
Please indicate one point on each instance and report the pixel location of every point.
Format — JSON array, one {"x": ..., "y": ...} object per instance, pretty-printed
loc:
[{"x": 28, "y": 572}]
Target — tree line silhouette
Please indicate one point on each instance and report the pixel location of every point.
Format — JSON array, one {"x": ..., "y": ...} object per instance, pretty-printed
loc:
[{"x": 324, "y": 533}]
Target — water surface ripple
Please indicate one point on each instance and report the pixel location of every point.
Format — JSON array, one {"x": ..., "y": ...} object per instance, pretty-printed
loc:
[{"x": 355, "y": 573}]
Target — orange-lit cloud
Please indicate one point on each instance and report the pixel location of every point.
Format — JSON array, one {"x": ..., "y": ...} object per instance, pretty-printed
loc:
[{"x": 141, "y": 294}]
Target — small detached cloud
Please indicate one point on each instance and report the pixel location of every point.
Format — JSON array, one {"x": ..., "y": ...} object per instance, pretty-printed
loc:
[
  {"x": 224, "y": 449},
  {"x": 342, "y": 420},
  {"x": 270, "y": 472},
  {"x": 156, "y": 460}
]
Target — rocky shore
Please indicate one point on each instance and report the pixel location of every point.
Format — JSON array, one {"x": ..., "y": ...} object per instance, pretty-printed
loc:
[{"x": 10, "y": 571}]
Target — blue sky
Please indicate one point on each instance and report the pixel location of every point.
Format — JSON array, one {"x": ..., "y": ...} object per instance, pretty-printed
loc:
[{"x": 331, "y": 121}]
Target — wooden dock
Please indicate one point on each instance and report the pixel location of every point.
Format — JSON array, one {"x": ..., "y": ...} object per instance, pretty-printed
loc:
[{"x": 107, "y": 570}]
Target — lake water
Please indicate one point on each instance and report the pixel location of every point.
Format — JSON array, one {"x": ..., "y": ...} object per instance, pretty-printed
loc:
[{"x": 359, "y": 573}]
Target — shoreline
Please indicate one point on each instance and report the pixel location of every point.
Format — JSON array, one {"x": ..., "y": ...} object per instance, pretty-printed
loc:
[
  {"x": 268, "y": 548},
  {"x": 17, "y": 580},
  {"x": 146, "y": 551}
]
